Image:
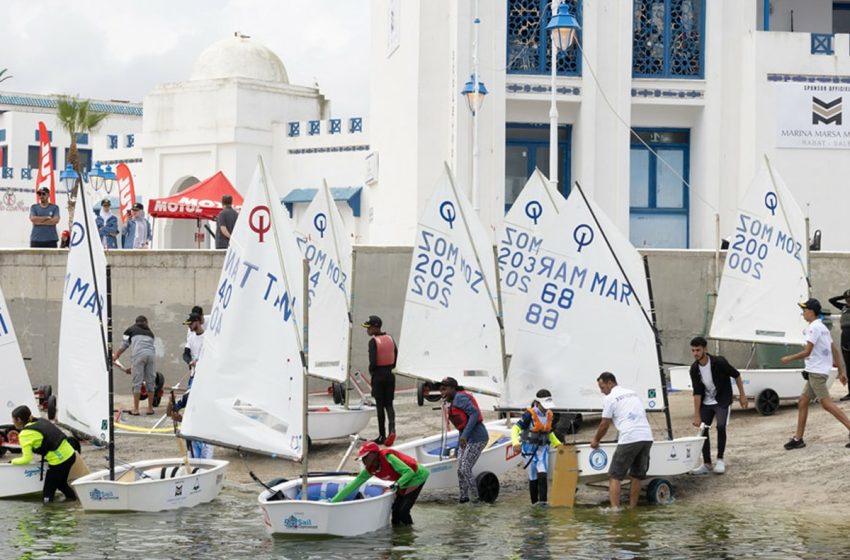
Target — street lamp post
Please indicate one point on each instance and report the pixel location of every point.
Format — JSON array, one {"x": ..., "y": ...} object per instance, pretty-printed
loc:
[
  {"x": 474, "y": 91},
  {"x": 562, "y": 27}
]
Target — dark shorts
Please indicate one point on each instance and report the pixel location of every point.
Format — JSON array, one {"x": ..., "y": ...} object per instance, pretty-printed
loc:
[
  {"x": 44, "y": 244},
  {"x": 631, "y": 458}
]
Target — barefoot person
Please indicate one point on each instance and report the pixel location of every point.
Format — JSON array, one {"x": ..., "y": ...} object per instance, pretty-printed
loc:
[
  {"x": 465, "y": 415},
  {"x": 42, "y": 437},
  {"x": 711, "y": 378},
  {"x": 625, "y": 409},
  {"x": 820, "y": 353}
]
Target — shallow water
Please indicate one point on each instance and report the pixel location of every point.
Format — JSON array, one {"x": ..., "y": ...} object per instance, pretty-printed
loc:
[{"x": 231, "y": 527}]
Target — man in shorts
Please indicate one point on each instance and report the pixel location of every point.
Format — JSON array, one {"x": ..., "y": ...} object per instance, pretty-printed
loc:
[
  {"x": 820, "y": 353},
  {"x": 626, "y": 410}
]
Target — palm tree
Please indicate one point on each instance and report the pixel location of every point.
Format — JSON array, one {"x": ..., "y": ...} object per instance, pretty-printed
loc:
[
  {"x": 75, "y": 117},
  {"x": 4, "y": 78}
]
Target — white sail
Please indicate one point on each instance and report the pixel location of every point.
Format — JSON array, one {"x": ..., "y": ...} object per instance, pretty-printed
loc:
[
  {"x": 83, "y": 402},
  {"x": 450, "y": 325},
  {"x": 249, "y": 383},
  {"x": 519, "y": 247},
  {"x": 765, "y": 273},
  {"x": 17, "y": 389},
  {"x": 582, "y": 316},
  {"x": 326, "y": 246}
]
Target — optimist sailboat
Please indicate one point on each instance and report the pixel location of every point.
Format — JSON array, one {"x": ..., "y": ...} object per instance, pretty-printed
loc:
[
  {"x": 249, "y": 391},
  {"x": 765, "y": 274},
  {"x": 85, "y": 385},
  {"x": 15, "y": 480},
  {"x": 451, "y": 327},
  {"x": 588, "y": 311},
  {"x": 324, "y": 243}
]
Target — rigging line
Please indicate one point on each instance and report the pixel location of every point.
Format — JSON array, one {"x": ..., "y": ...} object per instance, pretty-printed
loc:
[
  {"x": 635, "y": 134},
  {"x": 616, "y": 258},
  {"x": 788, "y": 223}
]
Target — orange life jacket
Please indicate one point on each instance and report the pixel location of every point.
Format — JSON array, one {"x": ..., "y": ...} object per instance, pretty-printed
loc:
[
  {"x": 458, "y": 417},
  {"x": 384, "y": 350},
  {"x": 538, "y": 432}
]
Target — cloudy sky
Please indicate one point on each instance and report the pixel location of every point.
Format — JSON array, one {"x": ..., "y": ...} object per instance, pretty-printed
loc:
[{"x": 121, "y": 49}]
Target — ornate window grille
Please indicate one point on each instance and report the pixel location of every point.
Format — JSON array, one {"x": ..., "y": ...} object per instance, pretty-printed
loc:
[
  {"x": 294, "y": 128},
  {"x": 8, "y": 172},
  {"x": 822, "y": 43},
  {"x": 335, "y": 126},
  {"x": 668, "y": 40},
  {"x": 131, "y": 140},
  {"x": 26, "y": 173},
  {"x": 314, "y": 128},
  {"x": 112, "y": 141},
  {"x": 356, "y": 124},
  {"x": 529, "y": 44}
]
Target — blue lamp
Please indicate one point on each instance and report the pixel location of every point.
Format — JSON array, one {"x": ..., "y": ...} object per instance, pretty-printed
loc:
[
  {"x": 474, "y": 98},
  {"x": 563, "y": 27},
  {"x": 69, "y": 177},
  {"x": 109, "y": 178},
  {"x": 96, "y": 176}
]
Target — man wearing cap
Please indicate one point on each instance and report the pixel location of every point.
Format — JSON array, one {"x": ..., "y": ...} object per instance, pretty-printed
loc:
[
  {"x": 382, "y": 357},
  {"x": 625, "y": 409},
  {"x": 137, "y": 232},
  {"x": 191, "y": 354},
  {"x": 107, "y": 225},
  {"x": 44, "y": 217},
  {"x": 388, "y": 464},
  {"x": 844, "y": 307},
  {"x": 465, "y": 415},
  {"x": 532, "y": 435},
  {"x": 140, "y": 338},
  {"x": 820, "y": 353}
]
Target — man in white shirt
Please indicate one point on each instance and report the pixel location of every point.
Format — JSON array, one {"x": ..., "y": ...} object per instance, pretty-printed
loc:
[
  {"x": 626, "y": 410},
  {"x": 820, "y": 353}
]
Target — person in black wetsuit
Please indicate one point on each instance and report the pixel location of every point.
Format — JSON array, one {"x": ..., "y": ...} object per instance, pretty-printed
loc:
[{"x": 382, "y": 357}]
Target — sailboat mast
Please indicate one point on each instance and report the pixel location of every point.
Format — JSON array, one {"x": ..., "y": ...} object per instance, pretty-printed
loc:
[
  {"x": 107, "y": 353},
  {"x": 110, "y": 383},
  {"x": 658, "y": 349},
  {"x": 350, "y": 329},
  {"x": 305, "y": 443}
]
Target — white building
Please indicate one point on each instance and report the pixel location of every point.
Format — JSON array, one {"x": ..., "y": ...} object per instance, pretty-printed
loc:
[{"x": 115, "y": 141}]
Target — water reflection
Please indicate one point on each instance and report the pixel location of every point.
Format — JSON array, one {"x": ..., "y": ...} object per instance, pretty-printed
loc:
[{"x": 44, "y": 531}]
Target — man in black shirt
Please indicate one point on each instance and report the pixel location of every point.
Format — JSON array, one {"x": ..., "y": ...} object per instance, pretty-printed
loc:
[{"x": 226, "y": 221}]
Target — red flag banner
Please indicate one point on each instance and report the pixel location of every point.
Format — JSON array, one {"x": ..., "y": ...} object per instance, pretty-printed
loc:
[
  {"x": 45, "y": 164},
  {"x": 126, "y": 189}
]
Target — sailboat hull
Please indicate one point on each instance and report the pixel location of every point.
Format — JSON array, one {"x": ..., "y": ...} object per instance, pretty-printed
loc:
[
  {"x": 368, "y": 511},
  {"x": 666, "y": 459},
  {"x": 335, "y": 421},
  {"x": 20, "y": 480},
  {"x": 153, "y": 485},
  {"x": 496, "y": 458},
  {"x": 787, "y": 383}
]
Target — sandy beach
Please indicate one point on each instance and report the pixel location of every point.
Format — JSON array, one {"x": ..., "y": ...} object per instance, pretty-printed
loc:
[{"x": 759, "y": 470}]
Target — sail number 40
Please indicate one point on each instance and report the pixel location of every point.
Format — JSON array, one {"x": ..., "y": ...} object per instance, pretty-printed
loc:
[{"x": 548, "y": 317}]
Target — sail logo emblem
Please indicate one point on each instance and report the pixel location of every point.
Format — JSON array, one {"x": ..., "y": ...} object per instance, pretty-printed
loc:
[
  {"x": 534, "y": 210},
  {"x": 99, "y": 495},
  {"x": 826, "y": 112},
  {"x": 598, "y": 459},
  {"x": 29, "y": 473},
  {"x": 260, "y": 221},
  {"x": 320, "y": 221},
  {"x": 447, "y": 213},
  {"x": 771, "y": 202},
  {"x": 78, "y": 233},
  {"x": 583, "y": 236},
  {"x": 178, "y": 489},
  {"x": 293, "y": 522}
]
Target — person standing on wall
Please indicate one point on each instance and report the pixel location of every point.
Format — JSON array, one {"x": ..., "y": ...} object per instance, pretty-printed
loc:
[
  {"x": 820, "y": 353},
  {"x": 625, "y": 409},
  {"x": 44, "y": 217},
  {"x": 42, "y": 437},
  {"x": 465, "y": 415},
  {"x": 107, "y": 225},
  {"x": 137, "y": 232},
  {"x": 711, "y": 378},
  {"x": 844, "y": 307},
  {"x": 225, "y": 221},
  {"x": 383, "y": 353}
]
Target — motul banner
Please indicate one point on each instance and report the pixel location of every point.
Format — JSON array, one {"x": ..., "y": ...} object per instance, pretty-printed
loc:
[
  {"x": 126, "y": 189},
  {"x": 45, "y": 164}
]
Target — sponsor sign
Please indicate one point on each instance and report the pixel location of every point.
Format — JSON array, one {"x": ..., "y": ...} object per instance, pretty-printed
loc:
[{"x": 811, "y": 115}]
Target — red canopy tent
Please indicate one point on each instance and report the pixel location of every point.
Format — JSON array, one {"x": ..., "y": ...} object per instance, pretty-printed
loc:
[{"x": 198, "y": 202}]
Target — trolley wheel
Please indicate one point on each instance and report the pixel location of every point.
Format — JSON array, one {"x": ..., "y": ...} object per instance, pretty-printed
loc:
[
  {"x": 767, "y": 402},
  {"x": 420, "y": 393},
  {"x": 660, "y": 491},
  {"x": 48, "y": 391},
  {"x": 158, "y": 388},
  {"x": 143, "y": 392},
  {"x": 431, "y": 392},
  {"x": 51, "y": 407},
  {"x": 338, "y": 392},
  {"x": 488, "y": 487}
]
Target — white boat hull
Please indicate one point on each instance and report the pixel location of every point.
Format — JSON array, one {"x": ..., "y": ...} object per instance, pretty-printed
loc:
[
  {"x": 153, "y": 485},
  {"x": 787, "y": 383},
  {"x": 293, "y": 516},
  {"x": 20, "y": 480},
  {"x": 667, "y": 458},
  {"x": 335, "y": 421},
  {"x": 497, "y": 458}
]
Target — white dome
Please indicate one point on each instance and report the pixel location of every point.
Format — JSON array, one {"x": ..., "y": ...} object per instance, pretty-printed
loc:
[{"x": 239, "y": 57}]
